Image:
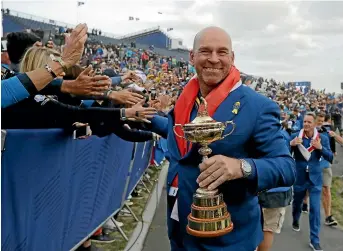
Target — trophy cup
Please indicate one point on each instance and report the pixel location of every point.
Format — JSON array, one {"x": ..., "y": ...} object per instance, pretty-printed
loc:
[{"x": 209, "y": 216}]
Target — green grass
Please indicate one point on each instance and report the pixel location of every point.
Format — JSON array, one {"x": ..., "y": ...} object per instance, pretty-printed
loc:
[
  {"x": 129, "y": 223},
  {"x": 337, "y": 199}
]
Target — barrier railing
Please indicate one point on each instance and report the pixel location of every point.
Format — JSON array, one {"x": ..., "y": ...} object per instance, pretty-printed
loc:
[{"x": 57, "y": 191}]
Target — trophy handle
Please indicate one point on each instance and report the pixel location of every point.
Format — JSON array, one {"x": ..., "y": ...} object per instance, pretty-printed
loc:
[
  {"x": 175, "y": 126},
  {"x": 233, "y": 128}
]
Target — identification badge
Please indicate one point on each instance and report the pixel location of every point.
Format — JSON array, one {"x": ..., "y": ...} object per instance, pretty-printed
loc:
[
  {"x": 175, "y": 213},
  {"x": 173, "y": 191}
]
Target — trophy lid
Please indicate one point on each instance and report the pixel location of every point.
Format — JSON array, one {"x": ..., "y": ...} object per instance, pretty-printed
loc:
[
  {"x": 202, "y": 120},
  {"x": 202, "y": 116}
]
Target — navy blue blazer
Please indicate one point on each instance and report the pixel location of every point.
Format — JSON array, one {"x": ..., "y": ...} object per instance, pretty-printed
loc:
[
  {"x": 314, "y": 168},
  {"x": 257, "y": 139}
]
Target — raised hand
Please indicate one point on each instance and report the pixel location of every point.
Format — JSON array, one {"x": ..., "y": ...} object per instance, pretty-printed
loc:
[
  {"x": 140, "y": 113},
  {"x": 74, "y": 45},
  {"x": 125, "y": 97},
  {"x": 87, "y": 85}
]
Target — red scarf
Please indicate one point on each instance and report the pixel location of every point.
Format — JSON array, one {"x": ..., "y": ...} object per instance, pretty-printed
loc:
[{"x": 185, "y": 103}]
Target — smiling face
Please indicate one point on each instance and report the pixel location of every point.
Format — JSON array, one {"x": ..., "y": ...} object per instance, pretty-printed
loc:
[
  {"x": 309, "y": 123},
  {"x": 212, "y": 56}
]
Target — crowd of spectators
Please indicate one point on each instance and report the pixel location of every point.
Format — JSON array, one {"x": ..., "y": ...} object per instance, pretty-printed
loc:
[{"x": 117, "y": 88}]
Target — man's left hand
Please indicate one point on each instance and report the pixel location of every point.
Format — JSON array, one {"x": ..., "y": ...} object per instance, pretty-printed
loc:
[
  {"x": 316, "y": 143},
  {"x": 217, "y": 170}
]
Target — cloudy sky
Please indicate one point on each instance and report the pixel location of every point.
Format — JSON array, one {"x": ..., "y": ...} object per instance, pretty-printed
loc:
[{"x": 289, "y": 41}]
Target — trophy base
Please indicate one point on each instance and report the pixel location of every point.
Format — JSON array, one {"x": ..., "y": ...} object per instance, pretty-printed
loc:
[
  {"x": 209, "y": 234},
  {"x": 209, "y": 216}
]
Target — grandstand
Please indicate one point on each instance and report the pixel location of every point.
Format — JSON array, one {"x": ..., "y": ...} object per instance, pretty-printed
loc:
[
  {"x": 14, "y": 21},
  {"x": 17, "y": 21}
]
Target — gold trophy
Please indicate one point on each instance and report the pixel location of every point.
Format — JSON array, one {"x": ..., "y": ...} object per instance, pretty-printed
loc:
[{"x": 209, "y": 216}]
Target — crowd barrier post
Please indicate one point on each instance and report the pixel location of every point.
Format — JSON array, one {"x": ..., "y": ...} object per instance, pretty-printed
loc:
[{"x": 129, "y": 174}]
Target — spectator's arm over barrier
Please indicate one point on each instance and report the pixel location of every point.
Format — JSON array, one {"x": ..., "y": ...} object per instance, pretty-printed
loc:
[
  {"x": 16, "y": 89},
  {"x": 13, "y": 91}
]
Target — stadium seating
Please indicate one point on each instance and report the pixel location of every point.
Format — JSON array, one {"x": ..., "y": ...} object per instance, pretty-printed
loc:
[
  {"x": 10, "y": 24},
  {"x": 154, "y": 36}
]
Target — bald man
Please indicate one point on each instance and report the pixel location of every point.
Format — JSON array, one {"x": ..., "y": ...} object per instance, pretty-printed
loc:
[{"x": 252, "y": 159}]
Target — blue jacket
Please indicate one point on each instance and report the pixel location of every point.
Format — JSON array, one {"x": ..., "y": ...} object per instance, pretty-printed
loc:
[
  {"x": 323, "y": 162},
  {"x": 314, "y": 168},
  {"x": 286, "y": 138},
  {"x": 257, "y": 138},
  {"x": 13, "y": 91}
]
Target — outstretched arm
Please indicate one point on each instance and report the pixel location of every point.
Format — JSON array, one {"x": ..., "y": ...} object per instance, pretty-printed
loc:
[{"x": 159, "y": 125}]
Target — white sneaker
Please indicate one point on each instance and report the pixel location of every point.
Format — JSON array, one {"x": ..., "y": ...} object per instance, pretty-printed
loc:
[{"x": 130, "y": 197}]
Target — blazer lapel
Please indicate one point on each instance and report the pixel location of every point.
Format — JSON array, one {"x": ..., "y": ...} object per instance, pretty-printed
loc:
[{"x": 231, "y": 106}]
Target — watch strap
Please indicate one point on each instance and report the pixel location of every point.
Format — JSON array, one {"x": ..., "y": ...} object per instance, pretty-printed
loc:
[
  {"x": 122, "y": 114},
  {"x": 49, "y": 69},
  {"x": 60, "y": 61},
  {"x": 244, "y": 166}
]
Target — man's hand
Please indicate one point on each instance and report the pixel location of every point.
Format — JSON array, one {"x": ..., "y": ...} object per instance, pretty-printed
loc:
[
  {"x": 125, "y": 97},
  {"x": 74, "y": 45},
  {"x": 138, "y": 113},
  {"x": 155, "y": 104},
  {"x": 316, "y": 143},
  {"x": 217, "y": 170},
  {"x": 79, "y": 125},
  {"x": 130, "y": 75},
  {"x": 87, "y": 85},
  {"x": 332, "y": 134},
  {"x": 296, "y": 141}
]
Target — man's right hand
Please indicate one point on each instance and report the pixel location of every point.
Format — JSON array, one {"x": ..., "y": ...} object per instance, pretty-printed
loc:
[
  {"x": 87, "y": 85},
  {"x": 296, "y": 141},
  {"x": 125, "y": 97},
  {"x": 74, "y": 45}
]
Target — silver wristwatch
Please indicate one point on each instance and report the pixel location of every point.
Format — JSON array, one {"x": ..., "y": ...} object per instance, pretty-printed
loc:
[
  {"x": 246, "y": 168},
  {"x": 122, "y": 114}
]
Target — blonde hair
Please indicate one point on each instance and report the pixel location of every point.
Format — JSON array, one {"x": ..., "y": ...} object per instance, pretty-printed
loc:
[{"x": 36, "y": 57}]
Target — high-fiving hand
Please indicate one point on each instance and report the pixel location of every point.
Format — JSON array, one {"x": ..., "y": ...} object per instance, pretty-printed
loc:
[
  {"x": 139, "y": 113},
  {"x": 86, "y": 84},
  {"x": 125, "y": 97}
]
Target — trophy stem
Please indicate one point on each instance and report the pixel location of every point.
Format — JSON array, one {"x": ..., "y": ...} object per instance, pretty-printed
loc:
[{"x": 204, "y": 151}]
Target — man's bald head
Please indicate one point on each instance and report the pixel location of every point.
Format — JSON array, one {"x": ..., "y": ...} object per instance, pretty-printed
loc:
[
  {"x": 212, "y": 57},
  {"x": 211, "y": 31}
]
